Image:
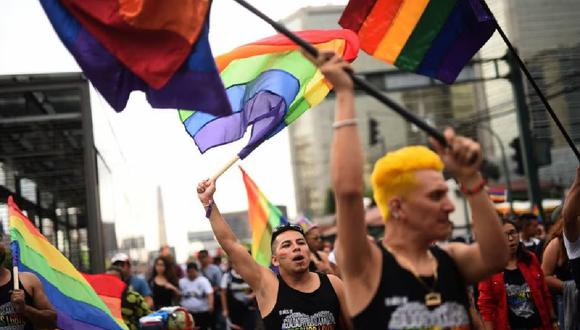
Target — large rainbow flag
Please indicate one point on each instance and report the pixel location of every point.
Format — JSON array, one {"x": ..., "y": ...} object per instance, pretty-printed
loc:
[
  {"x": 158, "y": 47},
  {"x": 264, "y": 217},
  {"x": 435, "y": 38},
  {"x": 78, "y": 306},
  {"x": 269, "y": 84}
]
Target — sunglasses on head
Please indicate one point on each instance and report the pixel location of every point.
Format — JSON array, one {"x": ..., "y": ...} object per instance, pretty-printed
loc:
[{"x": 284, "y": 228}]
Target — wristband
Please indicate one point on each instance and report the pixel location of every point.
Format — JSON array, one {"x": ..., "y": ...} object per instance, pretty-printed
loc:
[
  {"x": 472, "y": 191},
  {"x": 345, "y": 122},
  {"x": 208, "y": 208}
]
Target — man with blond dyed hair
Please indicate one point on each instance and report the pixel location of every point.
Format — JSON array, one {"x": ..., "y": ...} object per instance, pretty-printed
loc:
[{"x": 405, "y": 281}]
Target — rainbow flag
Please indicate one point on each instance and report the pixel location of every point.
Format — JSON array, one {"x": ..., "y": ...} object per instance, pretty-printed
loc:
[
  {"x": 434, "y": 38},
  {"x": 158, "y": 47},
  {"x": 110, "y": 289},
  {"x": 264, "y": 217},
  {"x": 269, "y": 85},
  {"x": 76, "y": 303}
]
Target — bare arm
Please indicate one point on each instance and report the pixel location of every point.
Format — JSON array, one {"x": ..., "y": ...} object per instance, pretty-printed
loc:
[
  {"x": 571, "y": 210},
  {"x": 490, "y": 253},
  {"x": 345, "y": 321},
  {"x": 241, "y": 260},
  {"x": 42, "y": 315},
  {"x": 210, "y": 302},
  {"x": 149, "y": 300},
  {"x": 224, "y": 299},
  {"x": 347, "y": 170},
  {"x": 549, "y": 263}
]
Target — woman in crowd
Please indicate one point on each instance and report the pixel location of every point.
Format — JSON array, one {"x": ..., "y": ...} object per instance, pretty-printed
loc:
[
  {"x": 518, "y": 297},
  {"x": 555, "y": 266},
  {"x": 164, "y": 283}
]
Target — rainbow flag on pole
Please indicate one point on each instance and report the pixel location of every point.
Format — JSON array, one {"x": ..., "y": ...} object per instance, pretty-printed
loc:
[
  {"x": 264, "y": 217},
  {"x": 435, "y": 38},
  {"x": 77, "y": 305},
  {"x": 269, "y": 84}
]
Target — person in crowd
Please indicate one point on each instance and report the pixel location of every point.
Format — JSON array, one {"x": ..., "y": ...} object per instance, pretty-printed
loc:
[
  {"x": 318, "y": 258},
  {"x": 133, "y": 305},
  {"x": 197, "y": 296},
  {"x": 328, "y": 247},
  {"x": 238, "y": 300},
  {"x": 571, "y": 215},
  {"x": 294, "y": 299},
  {"x": 164, "y": 283},
  {"x": 26, "y": 308},
  {"x": 165, "y": 251},
  {"x": 556, "y": 267},
  {"x": 529, "y": 223},
  {"x": 517, "y": 297},
  {"x": 137, "y": 284},
  {"x": 405, "y": 281},
  {"x": 214, "y": 274}
]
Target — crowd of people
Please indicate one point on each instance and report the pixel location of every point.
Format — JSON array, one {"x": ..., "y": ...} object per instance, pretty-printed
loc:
[
  {"x": 213, "y": 293},
  {"x": 510, "y": 277}
]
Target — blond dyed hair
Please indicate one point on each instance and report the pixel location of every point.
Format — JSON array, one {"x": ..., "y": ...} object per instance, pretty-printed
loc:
[{"x": 394, "y": 173}]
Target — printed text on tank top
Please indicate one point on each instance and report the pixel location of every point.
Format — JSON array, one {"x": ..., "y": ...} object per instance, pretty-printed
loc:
[{"x": 296, "y": 310}]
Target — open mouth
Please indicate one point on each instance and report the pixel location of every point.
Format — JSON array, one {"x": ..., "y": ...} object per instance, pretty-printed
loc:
[{"x": 298, "y": 258}]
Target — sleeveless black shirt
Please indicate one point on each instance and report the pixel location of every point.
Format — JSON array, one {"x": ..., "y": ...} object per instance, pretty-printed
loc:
[
  {"x": 319, "y": 309},
  {"x": 9, "y": 320},
  {"x": 399, "y": 302}
]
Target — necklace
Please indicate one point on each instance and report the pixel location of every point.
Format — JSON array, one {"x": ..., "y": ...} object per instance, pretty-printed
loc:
[{"x": 432, "y": 298}]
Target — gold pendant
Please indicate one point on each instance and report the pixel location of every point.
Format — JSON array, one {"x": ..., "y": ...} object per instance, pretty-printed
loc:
[{"x": 433, "y": 299}]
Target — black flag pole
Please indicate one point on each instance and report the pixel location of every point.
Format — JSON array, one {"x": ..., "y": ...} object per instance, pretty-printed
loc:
[
  {"x": 532, "y": 81},
  {"x": 358, "y": 81}
]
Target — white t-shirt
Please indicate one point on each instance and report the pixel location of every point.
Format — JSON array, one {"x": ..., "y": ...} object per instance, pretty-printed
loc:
[
  {"x": 573, "y": 248},
  {"x": 194, "y": 294}
]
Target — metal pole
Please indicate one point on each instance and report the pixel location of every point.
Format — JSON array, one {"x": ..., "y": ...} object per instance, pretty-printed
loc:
[
  {"x": 523, "y": 118},
  {"x": 93, "y": 216},
  {"x": 504, "y": 163}
]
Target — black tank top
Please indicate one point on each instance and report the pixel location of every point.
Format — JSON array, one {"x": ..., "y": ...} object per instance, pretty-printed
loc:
[
  {"x": 9, "y": 320},
  {"x": 399, "y": 302},
  {"x": 319, "y": 309}
]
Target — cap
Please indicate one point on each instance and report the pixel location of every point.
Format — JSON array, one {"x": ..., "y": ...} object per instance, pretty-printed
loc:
[
  {"x": 305, "y": 224},
  {"x": 120, "y": 257}
]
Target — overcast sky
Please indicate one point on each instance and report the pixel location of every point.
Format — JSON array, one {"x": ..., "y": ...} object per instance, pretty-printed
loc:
[{"x": 145, "y": 148}]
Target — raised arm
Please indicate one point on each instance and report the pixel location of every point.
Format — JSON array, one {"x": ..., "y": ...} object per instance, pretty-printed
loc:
[
  {"x": 254, "y": 274},
  {"x": 490, "y": 254},
  {"x": 346, "y": 169},
  {"x": 571, "y": 210}
]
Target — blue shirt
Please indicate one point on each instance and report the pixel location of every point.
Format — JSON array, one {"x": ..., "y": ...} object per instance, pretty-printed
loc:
[
  {"x": 213, "y": 274},
  {"x": 140, "y": 285}
]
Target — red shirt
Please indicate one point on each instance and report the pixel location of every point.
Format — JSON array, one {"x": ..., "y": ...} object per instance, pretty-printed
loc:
[{"x": 492, "y": 301}]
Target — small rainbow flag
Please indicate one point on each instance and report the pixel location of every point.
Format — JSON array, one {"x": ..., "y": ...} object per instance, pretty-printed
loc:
[
  {"x": 264, "y": 217},
  {"x": 435, "y": 38},
  {"x": 158, "y": 47},
  {"x": 77, "y": 305},
  {"x": 269, "y": 84}
]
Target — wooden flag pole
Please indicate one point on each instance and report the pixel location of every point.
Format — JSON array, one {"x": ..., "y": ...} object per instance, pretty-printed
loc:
[
  {"x": 15, "y": 275},
  {"x": 532, "y": 81},
  {"x": 359, "y": 82},
  {"x": 225, "y": 168}
]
